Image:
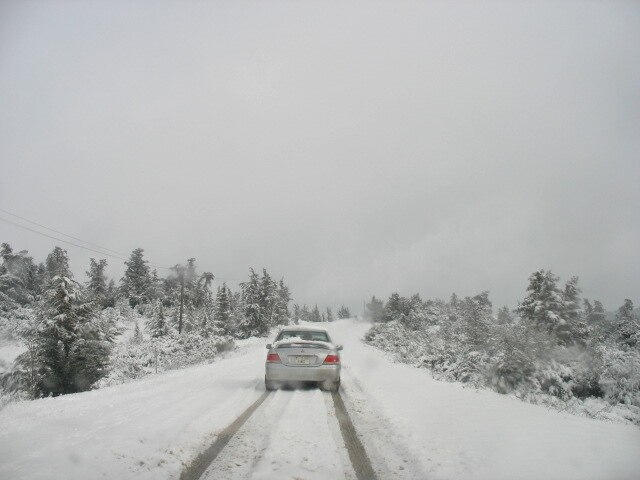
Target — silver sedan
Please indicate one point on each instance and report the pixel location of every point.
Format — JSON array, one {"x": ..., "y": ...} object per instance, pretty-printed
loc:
[{"x": 303, "y": 354}]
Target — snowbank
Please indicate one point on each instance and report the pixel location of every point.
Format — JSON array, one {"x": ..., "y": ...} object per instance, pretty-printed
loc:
[{"x": 147, "y": 429}]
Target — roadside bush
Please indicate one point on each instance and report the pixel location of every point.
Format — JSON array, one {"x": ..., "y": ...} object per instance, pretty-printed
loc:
[
  {"x": 620, "y": 378},
  {"x": 131, "y": 360}
]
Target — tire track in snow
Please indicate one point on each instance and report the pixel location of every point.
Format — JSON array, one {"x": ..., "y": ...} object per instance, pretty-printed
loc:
[
  {"x": 390, "y": 457},
  {"x": 202, "y": 462},
  {"x": 357, "y": 454},
  {"x": 291, "y": 436},
  {"x": 249, "y": 444}
]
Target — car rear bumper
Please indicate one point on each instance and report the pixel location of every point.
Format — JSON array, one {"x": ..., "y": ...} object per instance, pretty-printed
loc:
[{"x": 277, "y": 372}]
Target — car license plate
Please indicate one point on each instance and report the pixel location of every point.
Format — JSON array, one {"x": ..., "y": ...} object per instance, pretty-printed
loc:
[{"x": 301, "y": 360}]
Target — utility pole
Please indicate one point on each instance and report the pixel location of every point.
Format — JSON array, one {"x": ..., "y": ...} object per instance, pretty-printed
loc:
[{"x": 181, "y": 274}]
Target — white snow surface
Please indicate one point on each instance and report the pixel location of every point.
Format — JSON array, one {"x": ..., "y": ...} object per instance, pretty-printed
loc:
[{"x": 412, "y": 426}]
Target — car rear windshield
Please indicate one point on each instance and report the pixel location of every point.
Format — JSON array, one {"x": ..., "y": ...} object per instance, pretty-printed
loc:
[{"x": 304, "y": 335}]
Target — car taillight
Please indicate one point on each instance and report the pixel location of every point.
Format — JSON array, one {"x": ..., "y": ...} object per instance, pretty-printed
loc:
[
  {"x": 273, "y": 358},
  {"x": 332, "y": 359}
]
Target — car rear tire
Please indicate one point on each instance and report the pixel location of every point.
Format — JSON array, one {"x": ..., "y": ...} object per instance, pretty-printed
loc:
[
  {"x": 330, "y": 386},
  {"x": 270, "y": 386}
]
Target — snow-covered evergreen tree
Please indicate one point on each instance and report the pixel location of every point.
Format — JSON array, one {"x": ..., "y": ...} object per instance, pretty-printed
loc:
[
  {"x": 136, "y": 282},
  {"x": 305, "y": 313},
  {"x": 268, "y": 299},
  {"x": 137, "y": 337},
  {"x": 97, "y": 284},
  {"x": 343, "y": 312},
  {"x": 157, "y": 324},
  {"x": 57, "y": 264},
  {"x": 627, "y": 325},
  {"x": 223, "y": 309},
  {"x": 253, "y": 323},
  {"x": 477, "y": 320},
  {"x": 543, "y": 306},
  {"x": 574, "y": 329},
  {"x": 374, "y": 310},
  {"x": 296, "y": 314},
  {"x": 329, "y": 315},
  {"x": 156, "y": 290},
  {"x": 504, "y": 316},
  {"x": 282, "y": 304},
  {"x": 315, "y": 315},
  {"x": 594, "y": 314},
  {"x": 9, "y": 283},
  {"x": 111, "y": 295},
  {"x": 20, "y": 283},
  {"x": 72, "y": 352}
]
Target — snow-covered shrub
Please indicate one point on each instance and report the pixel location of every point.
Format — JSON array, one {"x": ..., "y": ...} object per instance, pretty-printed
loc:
[
  {"x": 109, "y": 323},
  {"x": 513, "y": 361},
  {"x": 554, "y": 379},
  {"x": 552, "y": 354},
  {"x": 620, "y": 378},
  {"x": 470, "y": 367},
  {"x": 132, "y": 360}
]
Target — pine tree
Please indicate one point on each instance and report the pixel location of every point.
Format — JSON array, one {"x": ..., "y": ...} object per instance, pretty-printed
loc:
[
  {"x": 330, "y": 317},
  {"x": 574, "y": 329},
  {"x": 203, "y": 293},
  {"x": 315, "y": 315},
  {"x": 157, "y": 324},
  {"x": 374, "y": 310},
  {"x": 223, "y": 309},
  {"x": 476, "y": 318},
  {"x": 543, "y": 306},
  {"x": 253, "y": 323},
  {"x": 97, "y": 284},
  {"x": 297, "y": 312},
  {"x": 282, "y": 305},
  {"x": 9, "y": 282},
  {"x": 19, "y": 280},
  {"x": 599, "y": 314},
  {"x": 57, "y": 264},
  {"x": 72, "y": 352},
  {"x": 190, "y": 279},
  {"x": 595, "y": 318},
  {"x": 136, "y": 281},
  {"x": 305, "y": 313},
  {"x": 627, "y": 325},
  {"x": 268, "y": 298},
  {"x": 587, "y": 308},
  {"x": 111, "y": 294},
  {"x": 504, "y": 316},
  {"x": 137, "y": 337},
  {"x": 392, "y": 308},
  {"x": 156, "y": 288},
  {"x": 453, "y": 301},
  {"x": 344, "y": 312}
]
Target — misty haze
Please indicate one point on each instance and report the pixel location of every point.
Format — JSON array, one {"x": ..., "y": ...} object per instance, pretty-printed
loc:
[{"x": 312, "y": 240}]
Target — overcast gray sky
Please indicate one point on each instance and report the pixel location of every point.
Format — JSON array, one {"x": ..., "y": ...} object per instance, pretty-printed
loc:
[{"x": 355, "y": 148}]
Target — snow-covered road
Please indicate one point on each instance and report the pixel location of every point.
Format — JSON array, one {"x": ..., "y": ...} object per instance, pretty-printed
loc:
[
  {"x": 289, "y": 437},
  {"x": 411, "y": 426}
]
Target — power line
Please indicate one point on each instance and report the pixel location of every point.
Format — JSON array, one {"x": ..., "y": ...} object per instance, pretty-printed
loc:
[
  {"x": 62, "y": 233},
  {"x": 114, "y": 254},
  {"x": 123, "y": 259},
  {"x": 59, "y": 239}
]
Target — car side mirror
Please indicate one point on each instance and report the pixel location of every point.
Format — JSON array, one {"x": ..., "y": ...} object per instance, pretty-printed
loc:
[
  {"x": 339, "y": 347},
  {"x": 268, "y": 346}
]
